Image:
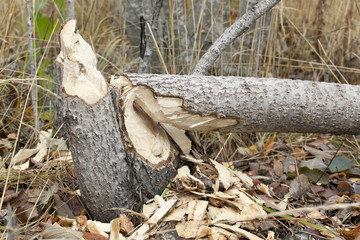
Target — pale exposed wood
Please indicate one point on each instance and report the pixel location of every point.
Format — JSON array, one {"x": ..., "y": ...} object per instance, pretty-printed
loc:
[
  {"x": 118, "y": 165},
  {"x": 153, "y": 220},
  {"x": 109, "y": 170}
]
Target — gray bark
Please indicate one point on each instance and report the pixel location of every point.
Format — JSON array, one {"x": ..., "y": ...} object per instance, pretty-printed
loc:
[
  {"x": 145, "y": 62},
  {"x": 33, "y": 92},
  {"x": 71, "y": 8},
  {"x": 230, "y": 34},
  {"x": 265, "y": 105},
  {"x": 58, "y": 102},
  {"x": 109, "y": 173}
]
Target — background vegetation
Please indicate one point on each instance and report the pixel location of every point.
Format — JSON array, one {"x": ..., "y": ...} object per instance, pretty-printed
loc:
[{"x": 315, "y": 40}]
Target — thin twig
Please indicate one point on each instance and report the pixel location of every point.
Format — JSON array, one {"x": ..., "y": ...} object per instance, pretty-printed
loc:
[
  {"x": 71, "y": 8},
  {"x": 327, "y": 167},
  {"x": 34, "y": 99}
]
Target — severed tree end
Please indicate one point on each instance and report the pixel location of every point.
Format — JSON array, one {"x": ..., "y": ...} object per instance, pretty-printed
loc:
[
  {"x": 81, "y": 78},
  {"x": 149, "y": 120}
]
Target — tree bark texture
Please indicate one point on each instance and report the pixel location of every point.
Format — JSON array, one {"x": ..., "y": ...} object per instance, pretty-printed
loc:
[
  {"x": 150, "y": 45},
  {"x": 58, "y": 101},
  {"x": 230, "y": 34},
  {"x": 109, "y": 171},
  {"x": 265, "y": 105},
  {"x": 71, "y": 8}
]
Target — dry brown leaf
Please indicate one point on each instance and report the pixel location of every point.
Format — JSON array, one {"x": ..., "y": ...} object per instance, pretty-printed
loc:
[
  {"x": 278, "y": 168},
  {"x": 6, "y": 143},
  {"x": 22, "y": 155},
  {"x": 319, "y": 141},
  {"x": 62, "y": 208},
  {"x": 65, "y": 222},
  {"x": 268, "y": 147},
  {"x": 57, "y": 232},
  {"x": 11, "y": 136},
  {"x": 233, "y": 15},
  {"x": 30, "y": 210},
  {"x": 318, "y": 153},
  {"x": 353, "y": 234},
  {"x": 299, "y": 186},
  {"x": 316, "y": 215},
  {"x": 299, "y": 153},
  {"x": 126, "y": 225}
]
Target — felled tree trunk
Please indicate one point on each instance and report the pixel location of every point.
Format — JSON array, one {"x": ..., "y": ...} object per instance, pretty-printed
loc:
[
  {"x": 109, "y": 170},
  {"x": 125, "y": 139},
  {"x": 259, "y": 104}
]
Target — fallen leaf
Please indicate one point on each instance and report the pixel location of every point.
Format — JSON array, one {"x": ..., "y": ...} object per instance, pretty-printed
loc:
[
  {"x": 351, "y": 234},
  {"x": 126, "y": 226},
  {"x": 340, "y": 164},
  {"x": 318, "y": 153},
  {"x": 57, "y": 232},
  {"x": 314, "y": 163},
  {"x": 316, "y": 215},
  {"x": 299, "y": 186},
  {"x": 319, "y": 141},
  {"x": 268, "y": 147},
  {"x": 62, "y": 207},
  {"x": 11, "y": 136},
  {"x": 299, "y": 153},
  {"x": 278, "y": 168},
  {"x": 314, "y": 175},
  {"x": 344, "y": 188},
  {"x": 22, "y": 155}
]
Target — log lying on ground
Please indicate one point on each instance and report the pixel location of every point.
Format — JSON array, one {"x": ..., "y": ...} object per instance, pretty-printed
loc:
[
  {"x": 259, "y": 105},
  {"x": 125, "y": 145}
]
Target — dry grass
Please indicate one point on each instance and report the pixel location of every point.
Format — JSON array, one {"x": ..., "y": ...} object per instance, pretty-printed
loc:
[{"x": 315, "y": 40}]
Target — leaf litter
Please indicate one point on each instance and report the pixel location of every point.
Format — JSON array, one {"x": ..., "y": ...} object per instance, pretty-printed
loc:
[{"x": 290, "y": 188}]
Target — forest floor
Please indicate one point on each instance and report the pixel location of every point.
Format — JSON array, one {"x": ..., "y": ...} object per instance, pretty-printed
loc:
[{"x": 292, "y": 186}]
